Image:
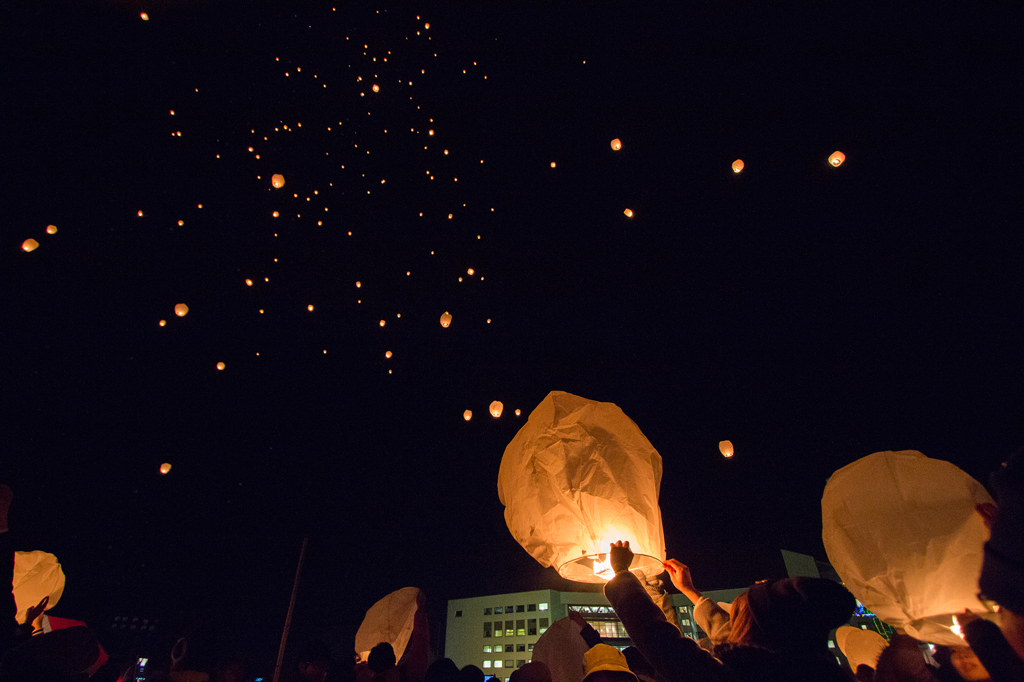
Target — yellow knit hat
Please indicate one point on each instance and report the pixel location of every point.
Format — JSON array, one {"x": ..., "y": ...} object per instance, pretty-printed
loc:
[{"x": 604, "y": 657}]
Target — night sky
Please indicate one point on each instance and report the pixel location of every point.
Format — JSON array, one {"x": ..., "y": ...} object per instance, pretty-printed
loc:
[{"x": 810, "y": 314}]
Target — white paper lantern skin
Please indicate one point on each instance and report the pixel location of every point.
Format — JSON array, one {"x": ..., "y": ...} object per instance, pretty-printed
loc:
[{"x": 578, "y": 476}]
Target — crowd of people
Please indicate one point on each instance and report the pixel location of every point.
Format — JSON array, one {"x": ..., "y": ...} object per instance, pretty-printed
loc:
[{"x": 776, "y": 630}]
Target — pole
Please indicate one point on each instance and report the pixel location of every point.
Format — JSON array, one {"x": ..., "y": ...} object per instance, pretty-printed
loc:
[{"x": 291, "y": 610}]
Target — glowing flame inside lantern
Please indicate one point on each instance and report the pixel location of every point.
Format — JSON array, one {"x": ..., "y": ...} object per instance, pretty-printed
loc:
[
  {"x": 956, "y": 628},
  {"x": 603, "y": 567},
  {"x": 837, "y": 158}
]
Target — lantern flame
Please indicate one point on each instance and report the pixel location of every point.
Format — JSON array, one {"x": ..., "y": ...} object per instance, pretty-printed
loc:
[{"x": 603, "y": 567}]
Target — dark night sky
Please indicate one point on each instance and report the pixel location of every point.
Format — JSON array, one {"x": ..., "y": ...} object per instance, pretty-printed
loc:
[{"x": 810, "y": 314}]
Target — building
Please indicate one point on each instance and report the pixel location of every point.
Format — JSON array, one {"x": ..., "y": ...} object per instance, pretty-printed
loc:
[{"x": 497, "y": 633}]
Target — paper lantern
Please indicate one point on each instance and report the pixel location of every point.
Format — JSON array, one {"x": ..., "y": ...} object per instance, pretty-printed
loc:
[
  {"x": 220, "y": 365},
  {"x": 737, "y": 165},
  {"x": 382, "y": 323},
  {"x": 552, "y": 164},
  {"x": 277, "y": 180},
  {"x": 628, "y": 213},
  {"x": 181, "y": 310},
  {"x": 578, "y": 476},
  {"x": 861, "y": 647},
  {"x": 518, "y": 412},
  {"x": 376, "y": 88},
  {"x": 496, "y": 408},
  {"x": 144, "y": 16},
  {"x": 394, "y": 620},
  {"x": 36, "y": 575},
  {"x": 163, "y": 323},
  {"x": 616, "y": 144},
  {"x": 310, "y": 309},
  {"x": 276, "y": 214},
  {"x": 165, "y": 468},
  {"x": 51, "y": 229},
  {"x": 915, "y": 573},
  {"x": 725, "y": 447},
  {"x": 467, "y": 415},
  {"x": 387, "y": 355},
  {"x": 561, "y": 649},
  {"x": 446, "y": 319},
  {"x": 30, "y": 245},
  {"x": 837, "y": 158}
]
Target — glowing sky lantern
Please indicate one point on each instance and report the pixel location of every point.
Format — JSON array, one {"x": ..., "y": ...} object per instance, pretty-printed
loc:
[
  {"x": 518, "y": 412},
  {"x": 36, "y": 575},
  {"x": 616, "y": 144},
  {"x": 181, "y": 310},
  {"x": 400, "y": 620},
  {"x": 918, "y": 573},
  {"x": 737, "y": 165},
  {"x": 144, "y": 16},
  {"x": 578, "y": 476},
  {"x": 725, "y": 447},
  {"x": 446, "y": 319},
  {"x": 837, "y": 158},
  {"x": 276, "y": 214},
  {"x": 51, "y": 229},
  {"x": 310, "y": 308},
  {"x": 387, "y": 354},
  {"x": 376, "y": 88},
  {"x": 628, "y": 213},
  {"x": 382, "y": 323},
  {"x": 552, "y": 164},
  {"x": 163, "y": 323},
  {"x": 496, "y": 407},
  {"x": 165, "y": 468},
  {"x": 358, "y": 284},
  {"x": 467, "y": 415},
  {"x": 220, "y": 365},
  {"x": 30, "y": 244},
  {"x": 277, "y": 180}
]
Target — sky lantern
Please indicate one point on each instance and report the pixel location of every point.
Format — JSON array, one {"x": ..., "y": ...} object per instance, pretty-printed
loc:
[
  {"x": 36, "y": 575},
  {"x": 376, "y": 88},
  {"x": 276, "y": 214},
  {"x": 725, "y": 447},
  {"x": 552, "y": 164},
  {"x": 737, "y": 165},
  {"x": 628, "y": 213},
  {"x": 518, "y": 412},
  {"x": 144, "y": 16},
  {"x": 165, "y": 468},
  {"x": 220, "y": 365},
  {"x": 400, "y": 619},
  {"x": 51, "y": 229},
  {"x": 837, "y": 158},
  {"x": 861, "y": 647},
  {"x": 578, "y": 476},
  {"x": 277, "y": 180},
  {"x": 616, "y": 144},
  {"x": 446, "y": 319},
  {"x": 181, "y": 310},
  {"x": 496, "y": 408},
  {"x": 918, "y": 573},
  {"x": 387, "y": 354},
  {"x": 30, "y": 244},
  {"x": 467, "y": 415},
  {"x": 310, "y": 308}
]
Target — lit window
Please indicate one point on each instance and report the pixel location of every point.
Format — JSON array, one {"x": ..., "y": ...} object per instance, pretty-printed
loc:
[
  {"x": 831, "y": 644},
  {"x": 498, "y": 632},
  {"x": 487, "y": 648},
  {"x": 497, "y": 609},
  {"x": 458, "y": 614},
  {"x": 684, "y": 621},
  {"x": 497, "y": 664},
  {"x": 529, "y": 647},
  {"x": 497, "y": 649},
  {"x": 487, "y": 664},
  {"x": 531, "y": 607},
  {"x": 487, "y": 611},
  {"x": 543, "y": 625},
  {"x": 509, "y": 629},
  {"x": 542, "y": 607},
  {"x": 520, "y": 608},
  {"x": 521, "y": 628}
]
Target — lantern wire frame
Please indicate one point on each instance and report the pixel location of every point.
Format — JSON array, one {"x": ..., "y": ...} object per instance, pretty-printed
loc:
[{"x": 595, "y": 568}]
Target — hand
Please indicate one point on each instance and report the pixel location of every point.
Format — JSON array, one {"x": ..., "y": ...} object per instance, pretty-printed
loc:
[
  {"x": 679, "y": 573},
  {"x": 987, "y": 511},
  {"x": 36, "y": 611},
  {"x": 620, "y": 556},
  {"x": 966, "y": 617},
  {"x": 575, "y": 617}
]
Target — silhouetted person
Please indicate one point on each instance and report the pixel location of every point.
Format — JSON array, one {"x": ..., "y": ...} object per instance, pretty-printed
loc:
[{"x": 442, "y": 670}]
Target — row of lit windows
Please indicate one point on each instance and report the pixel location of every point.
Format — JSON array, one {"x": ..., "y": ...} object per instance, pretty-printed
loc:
[
  {"x": 497, "y": 648},
  {"x": 516, "y": 628},
  {"x": 521, "y": 608},
  {"x": 508, "y": 663}
]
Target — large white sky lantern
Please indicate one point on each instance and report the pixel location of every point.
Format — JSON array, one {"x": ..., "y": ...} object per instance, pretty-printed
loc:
[
  {"x": 901, "y": 531},
  {"x": 392, "y": 619},
  {"x": 36, "y": 575},
  {"x": 577, "y": 477}
]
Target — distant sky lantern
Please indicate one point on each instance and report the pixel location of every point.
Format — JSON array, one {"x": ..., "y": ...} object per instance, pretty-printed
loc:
[
  {"x": 837, "y": 158},
  {"x": 358, "y": 284},
  {"x": 426, "y": 26},
  {"x": 467, "y": 415},
  {"x": 163, "y": 323},
  {"x": 51, "y": 229},
  {"x": 470, "y": 271},
  {"x": 552, "y": 164},
  {"x": 376, "y": 88},
  {"x": 518, "y": 412},
  {"x": 180, "y": 223},
  {"x": 725, "y": 447},
  {"x": 388, "y": 355},
  {"x": 144, "y": 16},
  {"x": 446, "y": 319},
  {"x": 563, "y": 513},
  {"x": 309, "y": 308},
  {"x": 220, "y": 365},
  {"x": 277, "y": 180},
  {"x": 165, "y": 468},
  {"x": 181, "y": 310},
  {"x": 737, "y": 165},
  {"x": 30, "y": 244},
  {"x": 276, "y": 214},
  {"x": 382, "y": 323},
  {"x": 628, "y": 213},
  {"x": 430, "y": 132},
  {"x": 248, "y": 282},
  {"x": 616, "y": 144},
  {"x": 140, "y": 214},
  {"x": 496, "y": 407}
]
